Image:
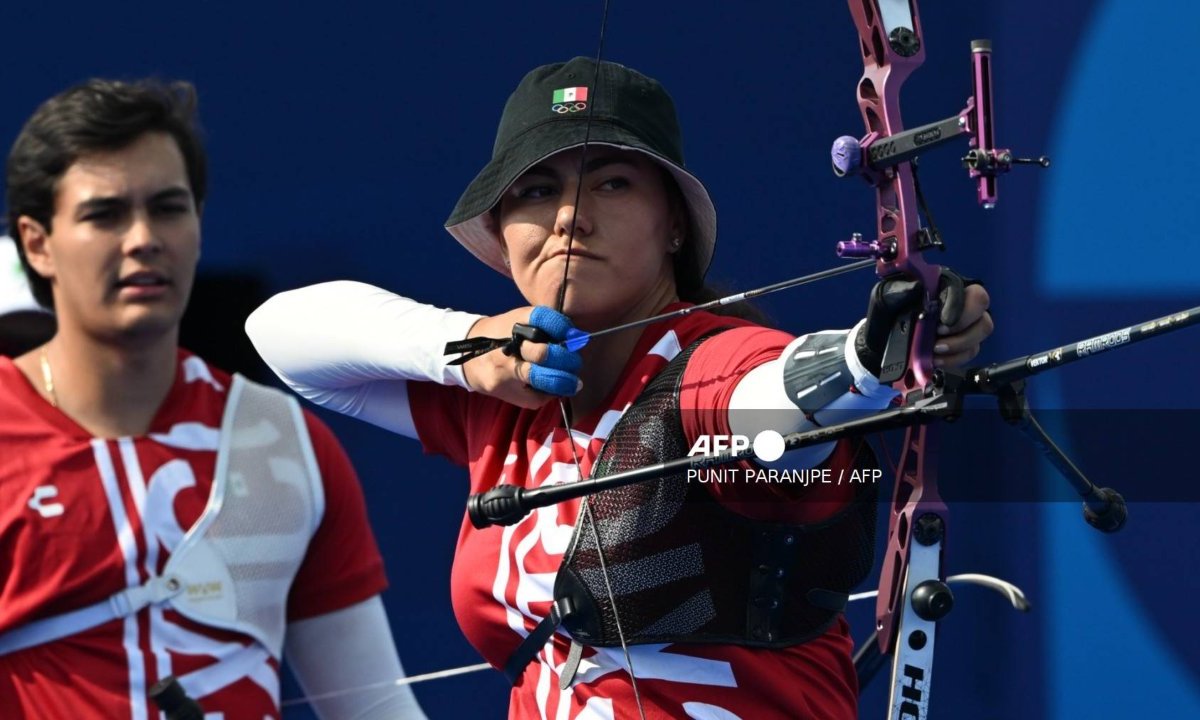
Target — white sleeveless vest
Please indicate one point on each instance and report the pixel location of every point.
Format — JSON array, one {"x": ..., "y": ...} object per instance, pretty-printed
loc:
[{"x": 234, "y": 567}]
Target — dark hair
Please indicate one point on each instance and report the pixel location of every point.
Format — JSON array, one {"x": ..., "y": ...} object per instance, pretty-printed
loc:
[
  {"x": 96, "y": 116},
  {"x": 689, "y": 280}
]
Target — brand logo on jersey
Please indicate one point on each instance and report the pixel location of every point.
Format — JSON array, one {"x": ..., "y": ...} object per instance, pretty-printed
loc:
[
  {"x": 211, "y": 590},
  {"x": 45, "y": 509}
]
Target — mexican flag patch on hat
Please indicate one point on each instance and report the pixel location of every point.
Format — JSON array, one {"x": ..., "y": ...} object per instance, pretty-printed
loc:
[{"x": 571, "y": 94}]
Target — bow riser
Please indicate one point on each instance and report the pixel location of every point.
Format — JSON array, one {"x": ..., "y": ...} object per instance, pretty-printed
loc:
[
  {"x": 893, "y": 49},
  {"x": 891, "y": 42}
]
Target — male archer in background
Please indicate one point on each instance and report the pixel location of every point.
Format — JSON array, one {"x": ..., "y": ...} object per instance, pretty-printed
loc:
[{"x": 161, "y": 517}]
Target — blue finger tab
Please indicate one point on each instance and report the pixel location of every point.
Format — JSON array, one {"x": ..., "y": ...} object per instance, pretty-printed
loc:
[
  {"x": 553, "y": 382},
  {"x": 551, "y": 321},
  {"x": 560, "y": 358}
]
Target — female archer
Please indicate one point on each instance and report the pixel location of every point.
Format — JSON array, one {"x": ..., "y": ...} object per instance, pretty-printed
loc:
[{"x": 705, "y": 597}]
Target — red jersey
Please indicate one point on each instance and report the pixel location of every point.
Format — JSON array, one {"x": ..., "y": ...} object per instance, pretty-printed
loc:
[
  {"x": 82, "y": 518},
  {"x": 502, "y": 579}
]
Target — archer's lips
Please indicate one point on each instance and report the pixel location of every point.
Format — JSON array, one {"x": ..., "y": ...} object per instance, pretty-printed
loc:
[{"x": 575, "y": 253}]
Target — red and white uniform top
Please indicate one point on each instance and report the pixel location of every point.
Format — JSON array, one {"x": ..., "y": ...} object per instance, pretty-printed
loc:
[
  {"x": 502, "y": 579},
  {"x": 82, "y": 518}
]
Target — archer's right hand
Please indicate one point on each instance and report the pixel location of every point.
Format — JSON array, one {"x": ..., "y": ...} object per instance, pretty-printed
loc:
[{"x": 537, "y": 372}]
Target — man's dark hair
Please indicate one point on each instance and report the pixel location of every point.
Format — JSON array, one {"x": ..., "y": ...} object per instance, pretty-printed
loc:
[{"x": 96, "y": 116}]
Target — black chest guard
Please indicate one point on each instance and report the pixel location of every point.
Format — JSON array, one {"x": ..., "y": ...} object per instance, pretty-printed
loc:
[{"x": 683, "y": 568}]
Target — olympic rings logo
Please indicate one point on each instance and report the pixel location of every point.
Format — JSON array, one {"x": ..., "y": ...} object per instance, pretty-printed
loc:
[{"x": 564, "y": 108}]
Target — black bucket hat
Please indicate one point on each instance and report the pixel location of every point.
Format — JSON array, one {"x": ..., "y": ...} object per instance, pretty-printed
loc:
[{"x": 548, "y": 113}]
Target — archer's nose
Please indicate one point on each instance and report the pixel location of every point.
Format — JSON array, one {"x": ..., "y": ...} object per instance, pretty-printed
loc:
[{"x": 572, "y": 216}]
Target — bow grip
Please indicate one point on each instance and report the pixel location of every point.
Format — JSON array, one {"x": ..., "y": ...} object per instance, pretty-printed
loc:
[{"x": 895, "y": 354}]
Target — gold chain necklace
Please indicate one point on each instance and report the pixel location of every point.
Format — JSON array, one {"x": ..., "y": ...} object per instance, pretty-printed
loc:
[{"x": 48, "y": 378}]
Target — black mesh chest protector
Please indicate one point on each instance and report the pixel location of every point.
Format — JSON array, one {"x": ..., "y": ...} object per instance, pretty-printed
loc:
[{"x": 683, "y": 568}]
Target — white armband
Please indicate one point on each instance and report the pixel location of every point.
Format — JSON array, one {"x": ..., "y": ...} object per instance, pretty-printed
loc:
[{"x": 821, "y": 368}]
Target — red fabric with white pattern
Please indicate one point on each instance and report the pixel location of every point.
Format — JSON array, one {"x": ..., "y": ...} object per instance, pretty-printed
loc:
[
  {"x": 82, "y": 518},
  {"x": 502, "y": 578}
]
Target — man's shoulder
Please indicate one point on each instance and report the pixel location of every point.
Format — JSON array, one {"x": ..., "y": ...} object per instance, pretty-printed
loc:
[
  {"x": 17, "y": 399},
  {"x": 11, "y": 378},
  {"x": 211, "y": 379},
  {"x": 196, "y": 371}
]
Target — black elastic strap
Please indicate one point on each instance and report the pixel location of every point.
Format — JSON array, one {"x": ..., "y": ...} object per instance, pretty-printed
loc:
[{"x": 534, "y": 641}]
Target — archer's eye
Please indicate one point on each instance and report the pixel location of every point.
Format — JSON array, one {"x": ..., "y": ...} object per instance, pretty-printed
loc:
[
  {"x": 534, "y": 192},
  {"x": 615, "y": 183}
]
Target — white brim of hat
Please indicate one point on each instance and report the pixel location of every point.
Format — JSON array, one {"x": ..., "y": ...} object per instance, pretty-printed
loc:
[{"x": 480, "y": 236}]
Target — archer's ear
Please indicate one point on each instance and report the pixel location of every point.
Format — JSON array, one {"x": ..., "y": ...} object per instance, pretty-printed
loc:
[
  {"x": 33, "y": 238},
  {"x": 492, "y": 223},
  {"x": 679, "y": 217}
]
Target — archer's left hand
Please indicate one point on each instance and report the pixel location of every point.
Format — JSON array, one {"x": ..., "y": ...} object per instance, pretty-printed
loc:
[
  {"x": 957, "y": 344},
  {"x": 963, "y": 326}
]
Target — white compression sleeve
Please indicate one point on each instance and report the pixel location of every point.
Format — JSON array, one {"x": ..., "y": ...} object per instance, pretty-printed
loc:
[
  {"x": 351, "y": 347},
  {"x": 348, "y": 649},
  {"x": 760, "y": 402}
]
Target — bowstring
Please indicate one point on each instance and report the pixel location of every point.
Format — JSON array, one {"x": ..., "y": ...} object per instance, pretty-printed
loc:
[
  {"x": 585, "y": 508},
  {"x": 587, "y": 136}
]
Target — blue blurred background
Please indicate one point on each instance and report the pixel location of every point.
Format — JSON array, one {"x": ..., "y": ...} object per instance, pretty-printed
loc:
[{"x": 341, "y": 136}]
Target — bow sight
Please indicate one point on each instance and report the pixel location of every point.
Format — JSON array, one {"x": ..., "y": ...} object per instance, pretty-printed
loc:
[{"x": 874, "y": 155}]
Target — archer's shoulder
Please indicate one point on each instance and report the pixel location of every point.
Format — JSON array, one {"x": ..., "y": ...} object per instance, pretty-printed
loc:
[{"x": 729, "y": 333}]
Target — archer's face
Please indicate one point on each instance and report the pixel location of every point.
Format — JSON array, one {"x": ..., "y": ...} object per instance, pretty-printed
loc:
[
  {"x": 621, "y": 262},
  {"x": 124, "y": 242}
]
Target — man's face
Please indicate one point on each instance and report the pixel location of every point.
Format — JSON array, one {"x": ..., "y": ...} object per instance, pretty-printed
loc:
[{"x": 125, "y": 239}]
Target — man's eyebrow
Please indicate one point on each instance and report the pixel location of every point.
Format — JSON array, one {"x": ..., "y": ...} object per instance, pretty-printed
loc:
[
  {"x": 116, "y": 202},
  {"x": 175, "y": 192},
  {"x": 110, "y": 202}
]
